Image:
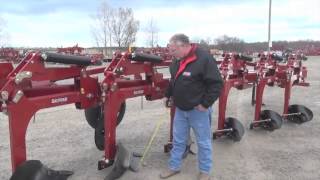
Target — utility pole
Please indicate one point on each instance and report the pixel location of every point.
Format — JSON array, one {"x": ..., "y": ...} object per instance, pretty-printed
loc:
[{"x": 269, "y": 28}]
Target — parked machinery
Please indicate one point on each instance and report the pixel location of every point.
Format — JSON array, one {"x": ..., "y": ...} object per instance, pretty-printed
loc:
[
  {"x": 241, "y": 72},
  {"x": 32, "y": 86},
  {"x": 274, "y": 70},
  {"x": 75, "y": 50},
  {"x": 23, "y": 88},
  {"x": 235, "y": 73},
  {"x": 9, "y": 54}
]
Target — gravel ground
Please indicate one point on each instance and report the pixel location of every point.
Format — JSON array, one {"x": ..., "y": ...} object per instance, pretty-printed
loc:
[{"x": 61, "y": 138}]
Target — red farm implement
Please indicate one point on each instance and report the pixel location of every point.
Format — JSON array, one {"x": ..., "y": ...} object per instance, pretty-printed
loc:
[{"x": 32, "y": 85}]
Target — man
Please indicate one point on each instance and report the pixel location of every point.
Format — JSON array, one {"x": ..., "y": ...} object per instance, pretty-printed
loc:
[{"x": 194, "y": 86}]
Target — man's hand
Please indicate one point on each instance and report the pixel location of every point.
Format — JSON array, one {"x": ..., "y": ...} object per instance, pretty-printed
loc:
[{"x": 201, "y": 108}]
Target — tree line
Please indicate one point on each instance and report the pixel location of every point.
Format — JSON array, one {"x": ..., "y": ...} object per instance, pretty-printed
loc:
[{"x": 235, "y": 44}]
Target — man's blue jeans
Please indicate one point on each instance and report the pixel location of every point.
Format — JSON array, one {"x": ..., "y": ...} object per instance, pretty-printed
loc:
[{"x": 199, "y": 121}]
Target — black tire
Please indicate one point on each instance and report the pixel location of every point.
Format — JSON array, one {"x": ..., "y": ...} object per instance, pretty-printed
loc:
[
  {"x": 99, "y": 130},
  {"x": 276, "y": 120},
  {"x": 306, "y": 114},
  {"x": 237, "y": 128},
  {"x": 99, "y": 135},
  {"x": 92, "y": 115}
]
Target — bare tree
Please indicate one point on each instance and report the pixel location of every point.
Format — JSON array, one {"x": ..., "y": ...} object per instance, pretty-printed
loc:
[
  {"x": 117, "y": 26},
  {"x": 152, "y": 33},
  {"x": 101, "y": 29},
  {"x": 123, "y": 27}
]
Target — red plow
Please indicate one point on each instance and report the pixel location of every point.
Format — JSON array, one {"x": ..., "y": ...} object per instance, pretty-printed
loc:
[{"x": 33, "y": 85}]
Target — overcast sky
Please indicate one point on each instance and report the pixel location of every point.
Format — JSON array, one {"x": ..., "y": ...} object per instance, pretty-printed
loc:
[{"x": 55, "y": 23}]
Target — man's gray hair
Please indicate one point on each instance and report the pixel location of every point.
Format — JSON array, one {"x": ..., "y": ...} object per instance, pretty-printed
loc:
[{"x": 180, "y": 39}]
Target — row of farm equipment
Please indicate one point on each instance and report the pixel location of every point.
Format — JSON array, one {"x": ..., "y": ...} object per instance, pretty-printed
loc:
[
  {"x": 15, "y": 55},
  {"x": 32, "y": 86},
  {"x": 10, "y": 54},
  {"x": 240, "y": 72}
]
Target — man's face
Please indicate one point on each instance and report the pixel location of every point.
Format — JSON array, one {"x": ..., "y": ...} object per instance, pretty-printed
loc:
[{"x": 176, "y": 49}]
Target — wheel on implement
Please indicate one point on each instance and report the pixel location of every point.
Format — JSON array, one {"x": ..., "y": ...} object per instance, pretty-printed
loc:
[
  {"x": 99, "y": 130},
  {"x": 237, "y": 128},
  {"x": 275, "y": 120},
  {"x": 299, "y": 114}
]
